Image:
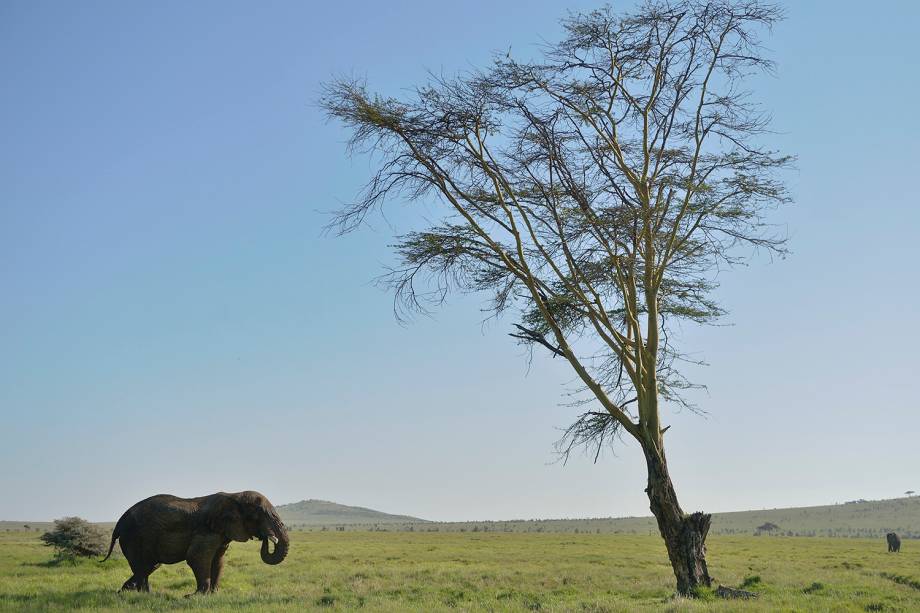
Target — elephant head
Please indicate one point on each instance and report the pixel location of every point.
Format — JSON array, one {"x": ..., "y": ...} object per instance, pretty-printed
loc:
[{"x": 247, "y": 515}]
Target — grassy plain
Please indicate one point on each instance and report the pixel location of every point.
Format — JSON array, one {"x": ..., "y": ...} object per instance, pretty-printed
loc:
[{"x": 399, "y": 571}]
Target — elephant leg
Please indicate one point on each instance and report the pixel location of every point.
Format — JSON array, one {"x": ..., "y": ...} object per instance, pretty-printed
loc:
[
  {"x": 130, "y": 585},
  {"x": 200, "y": 556},
  {"x": 131, "y": 550},
  {"x": 217, "y": 566},
  {"x": 202, "y": 572},
  {"x": 139, "y": 581},
  {"x": 145, "y": 583}
]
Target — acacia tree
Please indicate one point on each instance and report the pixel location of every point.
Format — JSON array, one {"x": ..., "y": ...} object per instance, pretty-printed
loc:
[{"x": 593, "y": 194}]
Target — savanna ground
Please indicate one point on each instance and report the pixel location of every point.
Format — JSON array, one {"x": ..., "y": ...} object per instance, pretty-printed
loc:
[{"x": 389, "y": 571}]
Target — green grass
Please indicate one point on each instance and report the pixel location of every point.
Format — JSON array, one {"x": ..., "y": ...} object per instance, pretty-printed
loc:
[{"x": 388, "y": 571}]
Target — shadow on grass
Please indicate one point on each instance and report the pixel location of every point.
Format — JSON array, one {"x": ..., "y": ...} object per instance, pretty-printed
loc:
[
  {"x": 67, "y": 600},
  {"x": 50, "y": 564},
  {"x": 72, "y": 563},
  {"x": 902, "y": 580},
  {"x": 92, "y": 599}
]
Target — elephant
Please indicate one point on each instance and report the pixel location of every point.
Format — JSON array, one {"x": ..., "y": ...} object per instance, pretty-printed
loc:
[
  {"x": 894, "y": 543},
  {"x": 166, "y": 529}
]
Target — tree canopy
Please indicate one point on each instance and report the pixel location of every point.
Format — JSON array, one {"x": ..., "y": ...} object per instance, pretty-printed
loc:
[{"x": 594, "y": 194}]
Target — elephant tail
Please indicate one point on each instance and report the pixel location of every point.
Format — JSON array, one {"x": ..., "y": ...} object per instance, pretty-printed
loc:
[{"x": 115, "y": 535}]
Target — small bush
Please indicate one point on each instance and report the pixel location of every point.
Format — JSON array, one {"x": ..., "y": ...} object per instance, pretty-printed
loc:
[
  {"x": 750, "y": 581},
  {"x": 74, "y": 537},
  {"x": 326, "y": 600},
  {"x": 814, "y": 587},
  {"x": 704, "y": 594}
]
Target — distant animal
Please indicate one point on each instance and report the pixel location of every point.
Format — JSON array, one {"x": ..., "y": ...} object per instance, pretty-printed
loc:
[
  {"x": 165, "y": 529},
  {"x": 894, "y": 543}
]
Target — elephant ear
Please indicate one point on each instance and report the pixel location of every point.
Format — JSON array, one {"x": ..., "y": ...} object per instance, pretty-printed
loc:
[{"x": 223, "y": 517}]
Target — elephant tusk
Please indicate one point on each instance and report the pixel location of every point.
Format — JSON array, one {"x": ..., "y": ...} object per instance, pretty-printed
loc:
[{"x": 273, "y": 539}]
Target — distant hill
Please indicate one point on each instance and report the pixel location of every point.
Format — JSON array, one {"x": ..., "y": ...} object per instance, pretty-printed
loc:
[
  {"x": 862, "y": 518},
  {"x": 323, "y": 512},
  {"x": 869, "y": 518}
]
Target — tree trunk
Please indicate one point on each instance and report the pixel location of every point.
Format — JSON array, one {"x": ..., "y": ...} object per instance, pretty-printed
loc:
[{"x": 684, "y": 535}]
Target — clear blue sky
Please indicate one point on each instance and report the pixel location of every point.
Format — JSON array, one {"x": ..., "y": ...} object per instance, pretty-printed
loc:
[{"x": 172, "y": 320}]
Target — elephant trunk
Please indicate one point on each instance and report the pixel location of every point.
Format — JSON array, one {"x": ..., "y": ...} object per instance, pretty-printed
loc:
[{"x": 282, "y": 543}]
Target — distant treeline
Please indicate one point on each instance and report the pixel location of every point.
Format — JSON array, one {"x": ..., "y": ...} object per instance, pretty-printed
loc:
[
  {"x": 856, "y": 519},
  {"x": 587, "y": 527}
]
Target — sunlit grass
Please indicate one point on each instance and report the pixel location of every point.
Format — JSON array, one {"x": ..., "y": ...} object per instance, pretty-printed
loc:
[{"x": 500, "y": 572}]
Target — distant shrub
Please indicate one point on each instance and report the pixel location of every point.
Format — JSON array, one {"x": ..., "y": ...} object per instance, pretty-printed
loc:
[
  {"x": 766, "y": 528},
  {"x": 814, "y": 587},
  {"x": 326, "y": 600},
  {"x": 750, "y": 581},
  {"x": 74, "y": 537}
]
